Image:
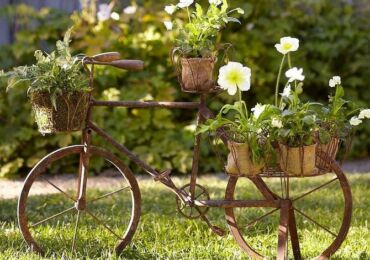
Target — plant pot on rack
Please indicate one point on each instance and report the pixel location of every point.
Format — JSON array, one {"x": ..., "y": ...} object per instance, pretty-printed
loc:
[
  {"x": 68, "y": 114},
  {"x": 331, "y": 150},
  {"x": 239, "y": 160},
  {"x": 298, "y": 161},
  {"x": 197, "y": 74}
]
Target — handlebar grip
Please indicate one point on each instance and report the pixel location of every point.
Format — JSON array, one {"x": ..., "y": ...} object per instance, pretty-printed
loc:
[
  {"x": 107, "y": 57},
  {"x": 128, "y": 64}
]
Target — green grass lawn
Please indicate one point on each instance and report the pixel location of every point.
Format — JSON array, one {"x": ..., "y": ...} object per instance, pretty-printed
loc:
[{"x": 164, "y": 234}]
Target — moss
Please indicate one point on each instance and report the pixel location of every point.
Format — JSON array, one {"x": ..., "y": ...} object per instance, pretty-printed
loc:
[{"x": 69, "y": 114}]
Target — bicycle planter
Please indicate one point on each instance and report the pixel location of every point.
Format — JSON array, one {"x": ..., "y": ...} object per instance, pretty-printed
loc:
[{"x": 193, "y": 200}]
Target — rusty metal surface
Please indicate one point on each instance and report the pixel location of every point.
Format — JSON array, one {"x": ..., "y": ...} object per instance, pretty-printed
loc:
[
  {"x": 59, "y": 155},
  {"x": 287, "y": 216}
]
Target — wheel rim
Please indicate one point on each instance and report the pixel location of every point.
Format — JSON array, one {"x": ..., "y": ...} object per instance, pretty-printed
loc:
[
  {"x": 335, "y": 243},
  {"x": 29, "y": 227}
]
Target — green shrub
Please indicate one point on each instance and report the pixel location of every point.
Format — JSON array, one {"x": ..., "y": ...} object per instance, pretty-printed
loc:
[{"x": 335, "y": 35}]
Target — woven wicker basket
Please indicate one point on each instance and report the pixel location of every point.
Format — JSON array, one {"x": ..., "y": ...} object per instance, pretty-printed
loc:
[{"x": 68, "y": 116}]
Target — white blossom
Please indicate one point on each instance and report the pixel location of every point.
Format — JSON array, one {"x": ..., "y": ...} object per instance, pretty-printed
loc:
[
  {"x": 130, "y": 9},
  {"x": 295, "y": 74},
  {"x": 233, "y": 76},
  {"x": 276, "y": 122},
  {"x": 169, "y": 25},
  {"x": 258, "y": 110},
  {"x": 215, "y": 2},
  {"x": 115, "y": 16},
  {"x": 185, "y": 3},
  {"x": 287, "y": 91},
  {"x": 104, "y": 12},
  {"x": 170, "y": 9},
  {"x": 364, "y": 114},
  {"x": 355, "y": 121},
  {"x": 335, "y": 81},
  {"x": 287, "y": 44}
]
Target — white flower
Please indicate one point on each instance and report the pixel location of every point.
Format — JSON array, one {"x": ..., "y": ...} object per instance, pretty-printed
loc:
[
  {"x": 130, "y": 9},
  {"x": 287, "y": 44},
  {"x": 114, "y": 16},
  {"x": 276, "y": 122},
  {"x": 170, "y": 9},
  {"x": 215, "y": 2},
  {"x": 287, "y": 91},
  {"x": 233, "y": 76},
  {"x": 258, "y": 110},
  {"x": 185, "y": 3},
  {"x": 364, "y": 114},
  {"x": 355, "y": 121},
  {"x": 169, "y": 25},
  {"x": 295, "y": 74},
  {"x": 104, "y": 12},
  {"x": 335, "y": 81}
]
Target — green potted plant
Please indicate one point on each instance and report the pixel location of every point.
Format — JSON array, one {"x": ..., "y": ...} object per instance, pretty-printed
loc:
[
  {"x": 246, "y": 132},
  {"x": 295, "y": 134},
  {"x": 58, "y": 88},
  {"x": 195, "y": 53}
]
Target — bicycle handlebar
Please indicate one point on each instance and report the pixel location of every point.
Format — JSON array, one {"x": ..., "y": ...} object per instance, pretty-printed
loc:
[{"x": 113, "y": 59}]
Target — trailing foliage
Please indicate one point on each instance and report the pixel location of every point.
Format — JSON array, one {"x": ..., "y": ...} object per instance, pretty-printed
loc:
[
  {"x": 56, "y": 73},
  {"x": 335, "y": 35}
]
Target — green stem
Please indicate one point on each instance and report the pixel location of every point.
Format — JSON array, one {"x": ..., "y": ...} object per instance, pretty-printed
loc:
[
  {"x": 278, "y": 81},
  {"x": 187, "y": 9}
]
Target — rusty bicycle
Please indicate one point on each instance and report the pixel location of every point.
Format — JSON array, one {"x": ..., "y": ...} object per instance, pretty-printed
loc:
[{"x": 193, "y": 200}]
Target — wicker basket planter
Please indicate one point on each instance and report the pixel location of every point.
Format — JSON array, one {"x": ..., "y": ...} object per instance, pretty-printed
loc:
[
  {"x": 298, "y": 161},
  {"x": 68, "y": 116},
  {"x": 197, "y": 74},
  {"x": 239, "y": 160}
]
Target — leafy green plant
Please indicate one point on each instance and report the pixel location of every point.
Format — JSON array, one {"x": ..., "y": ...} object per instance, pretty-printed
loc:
[
  {"x": 197, "y": 38},
  {"x": 58, "y": 72}
]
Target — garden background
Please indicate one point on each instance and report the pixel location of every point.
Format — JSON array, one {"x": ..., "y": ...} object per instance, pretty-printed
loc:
[{"x": 334, "y": 34}]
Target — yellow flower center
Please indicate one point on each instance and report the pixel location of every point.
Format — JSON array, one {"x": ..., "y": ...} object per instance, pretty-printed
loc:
[
  {"x": 234, "y": 77},
  {"x": 287, "y": 46}
]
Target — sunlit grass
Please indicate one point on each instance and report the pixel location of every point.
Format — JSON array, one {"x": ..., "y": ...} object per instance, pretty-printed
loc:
[{"x": 164, "y": 234}]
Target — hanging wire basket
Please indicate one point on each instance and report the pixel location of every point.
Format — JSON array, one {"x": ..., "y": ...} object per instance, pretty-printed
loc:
[{"x": 68, "y": 114}]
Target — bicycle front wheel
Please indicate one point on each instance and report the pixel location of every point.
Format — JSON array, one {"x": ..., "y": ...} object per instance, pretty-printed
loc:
[{"x": 51, "y": 220}]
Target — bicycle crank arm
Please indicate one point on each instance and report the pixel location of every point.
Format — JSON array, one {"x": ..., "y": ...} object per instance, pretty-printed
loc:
[{"x": 217, "y": 230}]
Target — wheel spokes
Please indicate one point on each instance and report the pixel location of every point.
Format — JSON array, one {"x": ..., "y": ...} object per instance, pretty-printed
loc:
[
  {"x": 59, "y": 189},
  {"x": 108, "y": 194},
  {"x": 100, "y": 222},
  {"x": 54, "y": 216},
  {"x": 260, "y": 218},
  {"x": 315, "y": 222},
  {"x": 316, "y": 189}
]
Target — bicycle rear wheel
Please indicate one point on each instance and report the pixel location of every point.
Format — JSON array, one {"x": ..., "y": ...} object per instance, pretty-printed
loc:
[
  {"x": 50, "y": 220},
  {"x": 315, "y": 216}
]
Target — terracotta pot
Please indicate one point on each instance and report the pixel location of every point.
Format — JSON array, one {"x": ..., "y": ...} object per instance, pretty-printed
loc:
[
  {"x": 330, "y": 149},
  {"x": 68, "y": 116},
  {"x": 197, "y": 74},
  {"x": 239, "y": 160},
  {"x": 298, "y": 161}
]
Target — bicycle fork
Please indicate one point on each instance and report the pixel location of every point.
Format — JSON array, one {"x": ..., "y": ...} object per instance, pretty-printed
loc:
[{"x": 83, "y": 171}]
